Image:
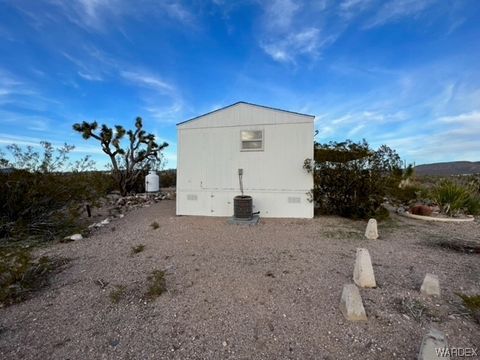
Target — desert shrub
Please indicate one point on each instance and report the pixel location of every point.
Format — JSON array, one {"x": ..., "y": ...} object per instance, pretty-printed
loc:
[
  {"x": 20, "y": 273},
  {"x": 137, "y": 249},
  {"x": 46, "y": 205},
  {"x": 472, "y": 303},
  {"x": 117, "y": 293},
  {"x": 451, "y": 197},
  {"x": 351, "y": 179},
  {"x": 156, "y": 284},
  {"x": 40, "y": 196},
  {"x": 473, "y": 204},
  {"x": 155, "y": 225},
  {"x": 168, "y": 178},
  {"x": 406, "y": 194},
  {"x": 474, "y": 183}
]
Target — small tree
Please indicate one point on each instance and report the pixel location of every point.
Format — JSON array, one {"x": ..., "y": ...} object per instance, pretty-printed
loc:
[{"x": 127, "y": 162}]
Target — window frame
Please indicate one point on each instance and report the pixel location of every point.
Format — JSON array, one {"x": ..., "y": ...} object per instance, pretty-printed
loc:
[{"x": 262, "y": 140}]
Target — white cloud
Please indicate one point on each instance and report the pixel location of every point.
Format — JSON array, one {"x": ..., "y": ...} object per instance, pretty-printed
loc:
[
  {"x": 102, "y": 15},
  {"x": 394, "y": 10},
  {"x": 284, "y": 36},
  {"x": 280, "y": 14},
  {"x": 354, "y": 131},
  {"x": 147, "y": 80},
  {"x": 162, "y": 100},
  {"x": 90, "y": 77},
  {"x": 165, "y": 114},
  {"x": 8, "y": 139},
  {"x": 88, "y": 70},
  {"x": 467, "y": 119},
  {"x": 177, "y": 11},
  {"x": 289, "y": 29},
  {"x": 351, "y": 8},
  {"x": 305, "y": 42}
]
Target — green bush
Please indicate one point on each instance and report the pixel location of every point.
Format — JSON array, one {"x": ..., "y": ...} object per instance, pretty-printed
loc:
[
  {"x": 453, "y": 198},
  {"x": 351, "y": 179}
]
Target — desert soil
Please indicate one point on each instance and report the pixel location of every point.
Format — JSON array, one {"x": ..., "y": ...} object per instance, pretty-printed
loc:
[{"x": 269, "y": 291}]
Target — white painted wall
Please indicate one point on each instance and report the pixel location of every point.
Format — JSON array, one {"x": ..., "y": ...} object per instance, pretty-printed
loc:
[{"x": 209, "y": 156}]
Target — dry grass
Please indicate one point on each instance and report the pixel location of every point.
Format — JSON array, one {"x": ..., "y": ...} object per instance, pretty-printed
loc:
[
  {"x": 156, "y": 284},
  {"x": 117, "y": 293},
  {"x": 472, "y": 303},
  {"x": 21, "y": 273},
  {"x": 137, "y": 249}
]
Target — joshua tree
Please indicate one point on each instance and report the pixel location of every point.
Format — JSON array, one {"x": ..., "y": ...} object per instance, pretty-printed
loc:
[{"x": 127, "y": 162}]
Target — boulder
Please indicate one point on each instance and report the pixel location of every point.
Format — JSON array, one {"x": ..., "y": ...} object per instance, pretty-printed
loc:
[
  {"x": 363, "y": 274},
  {"x": 422, "y": 210},
  {"x": 430, "y": 285},
  {"x": 351, "y": 304},
  {"x": 74, "y": 237},
  {"x": 434, "y": 340},
  {"x": 371, "y": 232}
]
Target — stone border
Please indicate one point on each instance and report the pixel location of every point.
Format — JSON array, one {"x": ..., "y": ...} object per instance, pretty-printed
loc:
[{"x": 432, "y": 218}]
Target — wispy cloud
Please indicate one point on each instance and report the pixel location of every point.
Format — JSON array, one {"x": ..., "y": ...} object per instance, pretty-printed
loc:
[
  {"x": 86, "y": 69},
  {"x": 165, "y": 114},
  {"x": 306, "y": 42},
  {"x": 292, "y": 29},
  {"x": 102, "y": 15},
  {"x": 147, "y": 80},
  {"x": 8, "y": 139},
  {"x": 90, "y": 77},
  {"x": 394, "y": 10},
  {"x": 351, "y": 8},
  {"x": 467, "y": 119},
  {"x": 162, "y": 100},
  {"x": 285, "y": 38},
  {"x": 280, "y": 14},
  {"x": 176, "y": 10}
]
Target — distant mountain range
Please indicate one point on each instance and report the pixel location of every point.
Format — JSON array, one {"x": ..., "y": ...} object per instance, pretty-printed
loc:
[{"x": 449, "y": 168}]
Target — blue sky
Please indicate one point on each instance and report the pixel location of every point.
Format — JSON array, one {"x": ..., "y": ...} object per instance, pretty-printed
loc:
[{"x": 401, "y": 72}]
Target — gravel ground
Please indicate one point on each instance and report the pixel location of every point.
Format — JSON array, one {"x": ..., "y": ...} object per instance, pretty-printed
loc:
[{"x": 269, "y": 291}]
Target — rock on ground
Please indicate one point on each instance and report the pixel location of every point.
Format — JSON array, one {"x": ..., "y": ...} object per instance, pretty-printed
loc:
[
  {"x": 431, "y": 344},
  {"x": 351, "y": 304},
  {"x": 371, "y": 232},
  {"x": 430, "y": 285},
  {"x": 363, "y": 274}
]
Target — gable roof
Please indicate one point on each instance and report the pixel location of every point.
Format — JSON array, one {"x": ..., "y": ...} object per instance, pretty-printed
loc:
[{"x": 245, "y": 103}]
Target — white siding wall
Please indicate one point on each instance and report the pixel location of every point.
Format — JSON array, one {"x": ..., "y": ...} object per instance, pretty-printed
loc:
[{"x": 209, "y": 157}]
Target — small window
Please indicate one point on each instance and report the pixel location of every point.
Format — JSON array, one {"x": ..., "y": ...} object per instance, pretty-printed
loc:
[{"x": 251, "y": 140}]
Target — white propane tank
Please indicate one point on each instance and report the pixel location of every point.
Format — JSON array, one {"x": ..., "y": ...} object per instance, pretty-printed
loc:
[{"x": 152, "y": 182}]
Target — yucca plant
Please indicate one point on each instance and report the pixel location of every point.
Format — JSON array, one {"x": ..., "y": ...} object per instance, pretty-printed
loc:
[{"x": 451, "y": 198}]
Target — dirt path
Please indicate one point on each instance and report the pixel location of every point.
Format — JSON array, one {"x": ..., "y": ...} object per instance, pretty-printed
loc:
[{"x": 264, "y": 292}]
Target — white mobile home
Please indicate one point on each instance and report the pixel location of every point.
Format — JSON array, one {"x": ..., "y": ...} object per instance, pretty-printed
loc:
[{"x": 269, "y": 145}]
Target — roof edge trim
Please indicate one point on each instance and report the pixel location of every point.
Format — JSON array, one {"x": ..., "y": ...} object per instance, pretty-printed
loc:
[{"x": 246, "y": 103}]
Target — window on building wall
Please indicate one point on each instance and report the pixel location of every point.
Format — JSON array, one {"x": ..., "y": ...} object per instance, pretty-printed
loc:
[{"x": 251, "y": 140}]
